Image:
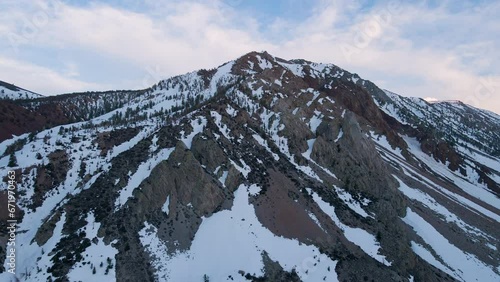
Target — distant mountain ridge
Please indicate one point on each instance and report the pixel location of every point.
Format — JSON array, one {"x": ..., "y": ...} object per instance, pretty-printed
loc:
[
  {"x": 12, "y": 92},
  {"x": 262, "y": 169}
]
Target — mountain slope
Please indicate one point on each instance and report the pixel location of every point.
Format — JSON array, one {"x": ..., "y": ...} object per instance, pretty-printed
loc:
[
  {"x": 12, "y": 92},
  {"x": 34, "y": 114},
  {"x": 262, "y": 169}
]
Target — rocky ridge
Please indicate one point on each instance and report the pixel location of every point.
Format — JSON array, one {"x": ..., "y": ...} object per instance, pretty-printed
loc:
[{"x": 283, "y": 170}]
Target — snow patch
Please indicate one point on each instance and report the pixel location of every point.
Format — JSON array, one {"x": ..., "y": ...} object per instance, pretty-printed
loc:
[
  {"x": 264, "y": 144},
  {"x": 432, "y": 204},
  {"x": 245, "y": 169},
  {"x": 315, "y": 95},
  {"x": 254, "y": 190},
  {"x": 231, "y": 111},
  {"x": 310, "y": 144},
  {"x": 223, "y": 178},
  {"x": 222, "y": 127},
  {"x": 341, "y": 133},
  {"x": 461, "y": 265},
  {"x": 198, "y": 125},
  {"x": 143, "y": 171},
  {"x": 353, "y": 204},
  {"x": 166, "y": 206},
  {"x": 315, "y": 121},
  {"x": 238, "y": 239},
  {"x": 98, "y": 257},
  {"x": 358, "y": 236}
]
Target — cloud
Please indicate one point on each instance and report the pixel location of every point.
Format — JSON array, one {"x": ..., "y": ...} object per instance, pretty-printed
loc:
[
  {"x": 446, "y": 51},
  {"x": 188, "y": 36},
  {"x": 42, "y": 80},
  {"x": 380, "y": 45},
  {"x": 71, "y": 70}
]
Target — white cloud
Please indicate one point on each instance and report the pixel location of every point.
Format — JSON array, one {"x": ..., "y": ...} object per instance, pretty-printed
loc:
[
  {"x": 71, "y": 69},
  {"x": 40, "y": 79},
  {"x": 389, "y": 53},
  {"x": 189, "y": 35}
]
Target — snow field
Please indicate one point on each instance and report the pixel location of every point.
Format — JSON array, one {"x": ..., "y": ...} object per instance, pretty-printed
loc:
[{"x": 233, "y": 240}]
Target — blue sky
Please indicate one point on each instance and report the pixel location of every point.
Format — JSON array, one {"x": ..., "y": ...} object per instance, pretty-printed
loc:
[{"x": 445, "y": 50}]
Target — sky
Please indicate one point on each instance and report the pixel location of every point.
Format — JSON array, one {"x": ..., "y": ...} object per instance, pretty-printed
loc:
[{"x": 437, "y": 50}]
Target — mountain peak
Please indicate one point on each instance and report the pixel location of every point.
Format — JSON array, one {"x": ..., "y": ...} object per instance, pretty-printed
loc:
[
  {"x": 253, "y": 62},
  {"x": 285, "y": 170}
]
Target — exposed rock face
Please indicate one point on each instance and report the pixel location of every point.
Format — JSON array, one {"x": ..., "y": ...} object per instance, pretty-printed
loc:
[
  {"x": 182, "y": 178},
  {"x": 208, "y": 152},
  {"x": 356, "y": 162},
  {"x": 262, "y": 169},
  {"x": 192, "y": 193},
  {"x": 46, "y": 231}
]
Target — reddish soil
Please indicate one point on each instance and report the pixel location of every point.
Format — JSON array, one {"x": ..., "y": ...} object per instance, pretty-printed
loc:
[
  {"x": 16, "y": 120},
  {"x": 278, "y": 212}
]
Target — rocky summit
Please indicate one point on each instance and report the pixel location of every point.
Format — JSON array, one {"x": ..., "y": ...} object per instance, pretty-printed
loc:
[{"x": 263, "y": 169}]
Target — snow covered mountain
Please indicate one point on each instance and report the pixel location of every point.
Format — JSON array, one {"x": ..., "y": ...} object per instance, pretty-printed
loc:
[
  {"x": 262, "y": 169},
  {"x": 12, "y": 92},
  {"x": 25, "y": 116}
]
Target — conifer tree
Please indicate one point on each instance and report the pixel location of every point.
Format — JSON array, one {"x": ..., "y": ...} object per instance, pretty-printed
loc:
[{"x": 12, "y": 160}]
